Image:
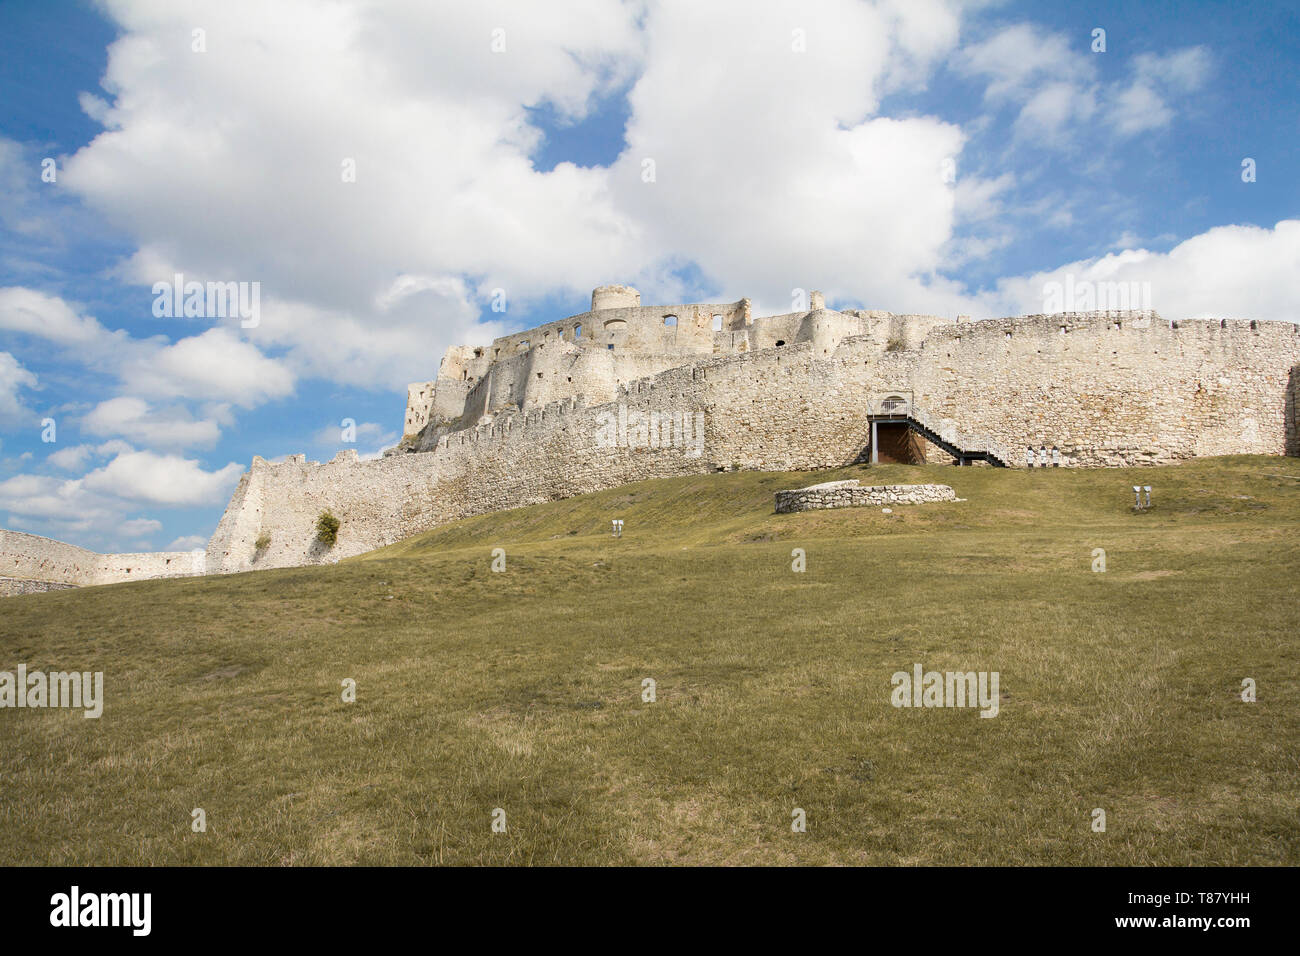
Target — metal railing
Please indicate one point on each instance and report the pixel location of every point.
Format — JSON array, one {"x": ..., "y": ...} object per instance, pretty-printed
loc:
[{"x": 898, "y": 406}]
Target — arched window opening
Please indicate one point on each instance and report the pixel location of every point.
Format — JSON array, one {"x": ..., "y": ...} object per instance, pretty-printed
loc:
[
  {"x": 670, "y": 320},
  {"x": 717, "y": 323}
]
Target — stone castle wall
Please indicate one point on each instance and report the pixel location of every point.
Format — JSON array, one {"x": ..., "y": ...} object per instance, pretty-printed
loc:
[
  {"x": 618, "y": 341},
  {"x": 28, "y": 561},
  {"x": 1105, "y": 388},
  {"x": 1113, "y": 388}
]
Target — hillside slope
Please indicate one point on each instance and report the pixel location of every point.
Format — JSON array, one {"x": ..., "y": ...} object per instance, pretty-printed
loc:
[{"x": 522, "y": 690}]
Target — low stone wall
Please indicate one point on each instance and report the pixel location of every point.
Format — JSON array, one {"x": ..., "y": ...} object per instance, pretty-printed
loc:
[
  {"x": 11, "y": 587},
  {"x": 850, "y": 494}
]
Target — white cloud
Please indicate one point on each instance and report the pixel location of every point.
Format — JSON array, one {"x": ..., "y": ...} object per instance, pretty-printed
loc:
[
  {"x": 1016, "y": 59},
  {"x": 1226, "y": 272},
  {"x": 96, "y": 509},
  {"x": 73, "y": 458},
  {"x": 752, "y": 140},
  {"x": 215, "y": 365},
  {"x": 115, "y": 447},
  {"x": 133, "y": 418},
  {"x": 444, "y": 185},
  {"x": 771, "y": 170},
  {"x": 12, "y": 378},
  {"x": 187, "y": 542},
  {"x": 1182, "y": 70},
  {"x": 1054, "y": 82},
  {"x": 1053, "y": 109},
  {"x": 1139, "y": 108},
  {"x": 980, "y": 199},
  {"x": 163, "y": 479},
  {"x": 49, "y": 317},
  {"x": 1143, "y": 105},
  {"x": 39, "y": 496}
]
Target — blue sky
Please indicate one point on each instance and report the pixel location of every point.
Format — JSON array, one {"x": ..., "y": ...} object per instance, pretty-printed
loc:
[{"x": 523, "y": 169}]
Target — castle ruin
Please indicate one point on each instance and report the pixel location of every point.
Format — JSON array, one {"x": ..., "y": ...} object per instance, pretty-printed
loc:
[{"x": 625, "y": 392}]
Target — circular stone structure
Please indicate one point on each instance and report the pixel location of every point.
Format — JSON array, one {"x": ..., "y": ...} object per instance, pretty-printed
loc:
[
  {"x": 850, "y": 494},
  {"x": 615, "y": 297}
]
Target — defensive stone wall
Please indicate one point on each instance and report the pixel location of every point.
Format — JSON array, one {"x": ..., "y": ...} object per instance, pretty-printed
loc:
[
  {"x": 1102, "y": 388},
  {"x": 1111, "y": 388},
  {"x": 29, "y": 561},
  {"x": 567, "y": 415}
]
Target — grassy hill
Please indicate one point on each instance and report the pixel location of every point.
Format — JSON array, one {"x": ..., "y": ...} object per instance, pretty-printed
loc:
[{"x": 522, "y": 690}]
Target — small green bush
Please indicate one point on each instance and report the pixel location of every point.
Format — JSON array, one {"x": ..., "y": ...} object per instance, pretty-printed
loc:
[
  {"x": 263, "y": 542},
  {"x": 327, "y": 529}
]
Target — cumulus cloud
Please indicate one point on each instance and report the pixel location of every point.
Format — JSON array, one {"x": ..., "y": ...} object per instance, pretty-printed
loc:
[
  {"x": 12, "y": 378},
  {"x": 438, "y": 138},
  {"x": 43, "y": 497},
  {"x": 215, "y": 369},
  {"x": 1226, "y": 272},
  {"x": 73, "y": 458},
  {"x": 755, "y": 138},
  {"x": 97, "y": 508},
  {"x": 215, "y": 365},
  {"x": 163, "y": 479},
  {"x": 771, "y": 168},
  {"x": 133, "y": 419},
  {"x": 31, "y": 312}
]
